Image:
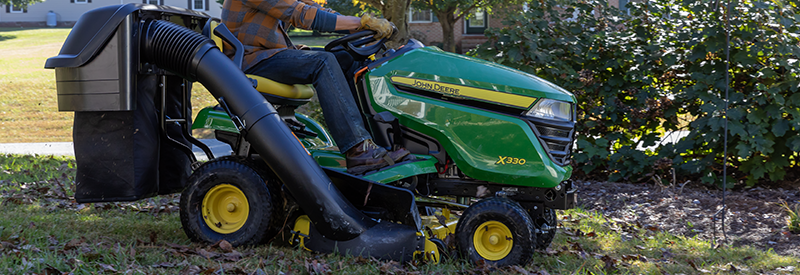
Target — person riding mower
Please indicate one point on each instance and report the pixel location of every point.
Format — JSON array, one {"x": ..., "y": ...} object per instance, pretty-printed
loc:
[{"x": 260, "y": 25}]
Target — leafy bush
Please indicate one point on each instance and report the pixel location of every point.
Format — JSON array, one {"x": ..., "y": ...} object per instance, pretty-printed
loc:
[{"x": 661, "y": 69}]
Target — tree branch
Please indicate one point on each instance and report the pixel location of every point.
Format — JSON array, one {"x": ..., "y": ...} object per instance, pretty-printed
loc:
[
  {"x": 378, "y": 4},
  {"x": 468, "y": 10}
]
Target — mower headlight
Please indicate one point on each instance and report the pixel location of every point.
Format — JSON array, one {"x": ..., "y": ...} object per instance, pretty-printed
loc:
[{"x": 551, "y": 109}]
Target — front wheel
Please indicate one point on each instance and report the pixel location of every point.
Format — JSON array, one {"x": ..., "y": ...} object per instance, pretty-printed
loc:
[
  {"x": 498, "y": 231},
  {"x": 226, "y": 200},
  {"x": 547, "y": 226}
]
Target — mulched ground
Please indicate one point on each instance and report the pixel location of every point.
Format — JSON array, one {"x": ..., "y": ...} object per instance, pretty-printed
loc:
[{"x": 754, "y": 216}]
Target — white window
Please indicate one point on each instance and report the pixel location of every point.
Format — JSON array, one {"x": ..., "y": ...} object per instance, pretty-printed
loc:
[
  {"x": 420, "y": 16},
  {"x": 477, "y": 19},
  {"x": 198, "y": 5},
  {"x": 15, "y": 9},
  {"x": 81, "y": 1}
]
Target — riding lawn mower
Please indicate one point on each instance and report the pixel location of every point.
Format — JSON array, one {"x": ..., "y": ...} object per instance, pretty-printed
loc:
[{"x": 491, "y": 144}]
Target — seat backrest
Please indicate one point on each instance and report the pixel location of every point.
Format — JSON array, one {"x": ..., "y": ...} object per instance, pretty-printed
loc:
[{"x": 262, "y": 84}]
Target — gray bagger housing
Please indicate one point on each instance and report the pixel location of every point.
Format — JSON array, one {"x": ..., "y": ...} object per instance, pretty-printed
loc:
[{"x": 122, "y": 153}]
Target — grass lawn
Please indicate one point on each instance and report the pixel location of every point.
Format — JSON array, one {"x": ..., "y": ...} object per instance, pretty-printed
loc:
[
  {"x": 44, "y": 230},
  {"x": 28, "y": 103}
]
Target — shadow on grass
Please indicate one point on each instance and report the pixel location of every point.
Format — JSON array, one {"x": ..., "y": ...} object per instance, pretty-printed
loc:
[{"x": 6, "y": 37}]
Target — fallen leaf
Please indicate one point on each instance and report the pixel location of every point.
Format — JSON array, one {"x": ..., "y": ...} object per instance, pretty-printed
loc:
[
  {"x": 107, "y": 267},
  {"x": 360, "y": 260},
  {"x": 85, "y": 249},
  {"x": 693, "y": 265},
  {"x": 163, "y": 265},
  {"x": 442, "y": 220},
  {"x": 610, "y": 263},
  {"x": 575, "y": 246},
  {"x": 180, "y": 248},
  {"x": 191, "y": 270},
  {"x": 234, "y": 256},
  {"x": 72, "y": 244},
  {"x": 450, "y": 241},
  {"x": 74, "y": 263},
  {"x": 26, "y": 264},
  {"x": 519, "y": 270},
  {"x": 481, "y": 267},
  {"x": 153, "y": 237},
  {"x": 92, "y": 256},
  {"x": 52, "y": 239},
  {"x": 225, "y": 246},
  {"x": 316, "y": 267},
  {"x": 50, "y": 270},
  {"x": 207, "y": 254},
  {"x": 639, "y": 257}
]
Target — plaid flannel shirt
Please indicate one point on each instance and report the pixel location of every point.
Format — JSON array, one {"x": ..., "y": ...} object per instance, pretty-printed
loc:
[{"x": 259, "y": 24}]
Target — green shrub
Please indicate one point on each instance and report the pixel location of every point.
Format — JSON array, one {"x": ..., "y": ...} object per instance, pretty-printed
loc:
[{"x": 660, "y": 69}]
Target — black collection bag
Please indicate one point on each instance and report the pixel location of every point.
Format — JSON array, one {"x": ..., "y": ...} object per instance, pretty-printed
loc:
[{"x": 123, "y": 156}]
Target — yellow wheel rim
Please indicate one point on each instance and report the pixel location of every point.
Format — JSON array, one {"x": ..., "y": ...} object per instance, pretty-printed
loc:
[
  {"x": 225, "y": 208},
  {"x": 493, "y": 240}
]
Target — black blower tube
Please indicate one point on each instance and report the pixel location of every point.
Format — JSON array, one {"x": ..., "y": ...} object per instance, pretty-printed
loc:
[{"x": 195, "y": 57}]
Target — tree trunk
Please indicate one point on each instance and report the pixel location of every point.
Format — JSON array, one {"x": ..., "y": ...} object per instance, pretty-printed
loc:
[
  {"x": 448, "y": 23},
  {"x": 396, "y": 11}
]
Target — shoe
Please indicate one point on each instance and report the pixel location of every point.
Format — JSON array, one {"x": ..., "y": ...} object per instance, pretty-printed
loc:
[{"x": 368, "y": 156}]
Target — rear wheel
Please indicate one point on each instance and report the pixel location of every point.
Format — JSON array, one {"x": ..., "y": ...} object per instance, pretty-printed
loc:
[
  {"x": 498, "y": 231},
  {"x": 227, "y": 200}
]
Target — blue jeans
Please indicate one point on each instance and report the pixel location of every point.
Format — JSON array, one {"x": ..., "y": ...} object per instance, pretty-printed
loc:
[{"x": 321, "y": 69}]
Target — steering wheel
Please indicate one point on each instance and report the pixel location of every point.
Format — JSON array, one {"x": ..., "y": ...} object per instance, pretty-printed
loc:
[{"x": 354, "y": 44}]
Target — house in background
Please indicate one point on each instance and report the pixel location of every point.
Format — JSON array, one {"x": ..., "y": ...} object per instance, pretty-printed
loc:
[
  {"x": 68, "y": 11},
  {"x": 424, "y": 26}
]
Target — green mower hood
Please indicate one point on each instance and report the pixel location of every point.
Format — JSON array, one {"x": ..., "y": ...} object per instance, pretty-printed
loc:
[{"x": 432, "y": 65}]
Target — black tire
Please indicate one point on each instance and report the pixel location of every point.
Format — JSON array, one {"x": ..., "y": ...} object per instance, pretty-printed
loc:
[
  {"x": 492, "y": 212},
  {"x": 230, "y": 175},
  {"x": 549, "y": 217},
  {"x": 279, "y": 210}
]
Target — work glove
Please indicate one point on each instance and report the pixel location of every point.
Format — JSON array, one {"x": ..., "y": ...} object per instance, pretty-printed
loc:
[{"x": 379, "y": 25}]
